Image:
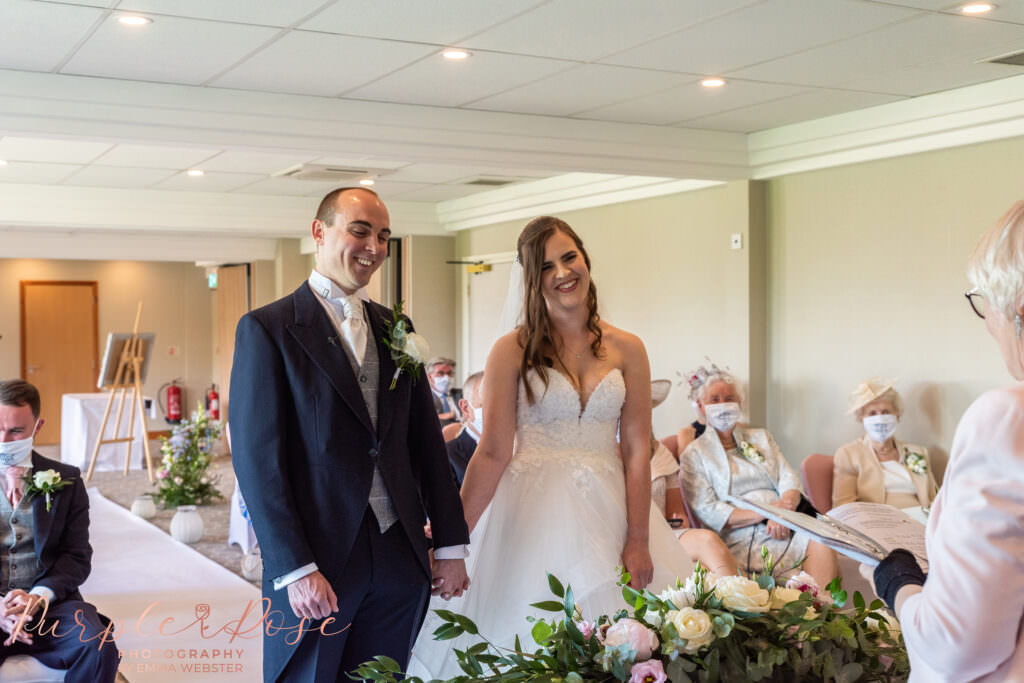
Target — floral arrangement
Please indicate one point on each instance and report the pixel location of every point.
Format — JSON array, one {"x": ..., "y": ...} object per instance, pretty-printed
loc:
[
  {"x": 916, "y": 463},
  {"x": 45, "y": 482},
  {"x": 709, "y": 628},
  {"x": 184, "y": 478},
  {"x": 408, "y": 349},
  {"x": 750, "y": 452}
]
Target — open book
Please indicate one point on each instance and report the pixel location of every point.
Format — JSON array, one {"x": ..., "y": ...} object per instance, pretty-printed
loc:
[{"x": 867, "y": 532}]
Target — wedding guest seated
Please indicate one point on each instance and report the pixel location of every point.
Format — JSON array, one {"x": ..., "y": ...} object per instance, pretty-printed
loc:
[
  {"x": 878, "y": 468},
  {"x": 695, "y": 429},
  {"x": 471, "y": 405},
  {"x": 440, "y": 372},
  {"x": 44, "y": 551},
  {"x": 746, "y": 462}
]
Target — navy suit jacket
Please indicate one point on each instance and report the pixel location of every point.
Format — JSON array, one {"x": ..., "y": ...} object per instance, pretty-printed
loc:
[
  {"x": 304, "y": 447},
  {"x": 460, "y": 450},
  {"x": 62, "y": 533}
]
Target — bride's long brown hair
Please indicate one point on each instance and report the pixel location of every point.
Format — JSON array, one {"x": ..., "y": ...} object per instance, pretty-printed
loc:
[{"x": 535, "y": 333}]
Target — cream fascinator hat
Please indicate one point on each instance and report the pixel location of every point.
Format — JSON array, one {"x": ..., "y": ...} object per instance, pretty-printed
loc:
[
  {"x": 867, "y": 391},
  {"x": 659, "y": 391}
]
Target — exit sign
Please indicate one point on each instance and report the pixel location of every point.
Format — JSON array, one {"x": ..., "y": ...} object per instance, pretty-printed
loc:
[{"x": 211, "y": 280}]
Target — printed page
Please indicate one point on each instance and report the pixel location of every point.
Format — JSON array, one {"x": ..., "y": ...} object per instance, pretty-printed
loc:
[{"x": 890, "y": 527}]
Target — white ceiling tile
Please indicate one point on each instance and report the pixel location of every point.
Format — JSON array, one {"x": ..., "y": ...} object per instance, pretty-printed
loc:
[
  {"x": 169, "y": 50},
  {"x": 112, "y": 176},
  {"x": 580, "y": 89},
  {"x": 441, "y": 22},
  {"x": 809, "y": 105},
  {"x": 445, "y": 173},
  {"x": 759, "y": 33},
  {"x": 36, "y": 36},
  {"x": 359, "y": 162},
  {"x": 266, "y": 12},
  {"x": 310, "y": 63},
  {"x": 31, "y": 172},
  {"x": 588, "y": 29},
  {"x": 691, "y": 101},
  {"x": 1008, "y": 10},
  {"x": 254, "y": 162},
  {"x": 931, "y": 39},
  {"x": 438, "y": 81},
  {"x": 210, "y": 182},
  {"x": 390, "y": 189},
  {"x": 440, "y": 193},
  {"x": 290, "y": 187},
  {"x": 155, "y": 156},
  {"x": 932, "y": 77},
  {"x": 49, "y": 150}
]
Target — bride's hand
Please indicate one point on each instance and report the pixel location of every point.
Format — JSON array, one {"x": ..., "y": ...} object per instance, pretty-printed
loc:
[{"x": 636, "y": 558}]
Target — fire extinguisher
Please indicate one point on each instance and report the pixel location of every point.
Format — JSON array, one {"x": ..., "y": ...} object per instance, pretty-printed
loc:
[
  {"x": 173, "y": 408},
  {"x": 213, "y": 402}
]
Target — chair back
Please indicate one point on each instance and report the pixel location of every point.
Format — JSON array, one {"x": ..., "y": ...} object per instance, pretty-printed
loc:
[{"x": 816, "y": 471}]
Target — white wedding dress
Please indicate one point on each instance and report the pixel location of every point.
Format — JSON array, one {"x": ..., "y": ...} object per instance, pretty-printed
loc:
[{"x": 560, "y": 507}]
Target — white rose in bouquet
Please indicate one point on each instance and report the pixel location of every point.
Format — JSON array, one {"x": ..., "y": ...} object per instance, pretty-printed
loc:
[
  {"x": 738, "y": 593},
  {"x": 694, "y": 626},
  {"x": 680, "y": 597},
  {"x": 783, "y": 596},
  {"x": 416, "y": 347}
]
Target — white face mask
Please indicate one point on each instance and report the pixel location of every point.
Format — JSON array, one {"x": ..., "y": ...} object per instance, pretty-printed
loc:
[
  {"x": 441, "y": 383},
  {"x": 723, "y": 416},
  {"x": 880, "y": 427},
  {"x": 478, "y": 421},
  {"x": 16, "y": 452}
]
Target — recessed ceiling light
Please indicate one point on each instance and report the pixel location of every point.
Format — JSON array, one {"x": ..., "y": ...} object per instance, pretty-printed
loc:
[
  {"x": 195, "y": 172},
  {"x": 134, "y": 20},
  {"x": 3, "y": 162},
  {"x": 977, "y": 8},
  {"x": 456, "y": 54},
  {"x": 712, "y": 82},
  {"x": 366, "y": 181}
]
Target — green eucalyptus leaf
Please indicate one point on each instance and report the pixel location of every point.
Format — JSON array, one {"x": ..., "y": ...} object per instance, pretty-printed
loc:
[{"x": 555, "y": 585}]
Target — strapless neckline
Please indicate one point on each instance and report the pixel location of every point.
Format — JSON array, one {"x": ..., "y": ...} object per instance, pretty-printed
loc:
[{"x": 579, "y": 398}]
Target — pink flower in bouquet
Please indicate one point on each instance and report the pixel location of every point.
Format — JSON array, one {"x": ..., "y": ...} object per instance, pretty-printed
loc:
[
  {"x": 633, "y": 633},
  {"x": 805, "y": 583},
  {"x": 162, "y": 474},
  {"x": 650, "y": 671},
  {"x": 586, "y": 628}
]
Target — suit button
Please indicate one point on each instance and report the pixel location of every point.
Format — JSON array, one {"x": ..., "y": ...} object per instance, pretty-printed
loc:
[
  {"x": 374, "y": 452},
  {"x": 362, "y": 378}
]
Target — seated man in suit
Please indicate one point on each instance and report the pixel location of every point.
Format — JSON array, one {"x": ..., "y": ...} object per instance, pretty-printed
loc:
[
  {"x": 45, "y": 553},
  {"x": 440, "y": 372},
  {"x": 461, "y": 448}
]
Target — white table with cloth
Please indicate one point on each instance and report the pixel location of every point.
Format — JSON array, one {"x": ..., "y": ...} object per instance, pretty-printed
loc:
[{"x": 81, "y": 416}]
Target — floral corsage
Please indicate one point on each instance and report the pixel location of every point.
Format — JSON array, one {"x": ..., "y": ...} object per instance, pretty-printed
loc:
[
  {"x": 916, "y": 463},
  {"x": 46, "y": 482},
  {"x": 750, "y": 452},
  {"x": 408, "y": 350}
]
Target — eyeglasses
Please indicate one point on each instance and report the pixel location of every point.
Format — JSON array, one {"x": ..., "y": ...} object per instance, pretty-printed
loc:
[{"x": 976, "y": 307}]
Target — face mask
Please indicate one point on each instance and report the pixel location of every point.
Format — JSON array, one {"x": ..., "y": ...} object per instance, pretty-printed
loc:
[
  {"x": 441, "y": 383},
  {"x": 15, "y": 452},
  {"x": 478, "y": 421},
  {"x": 880, "y": 427},
  {"x": 723, "y": 416}
]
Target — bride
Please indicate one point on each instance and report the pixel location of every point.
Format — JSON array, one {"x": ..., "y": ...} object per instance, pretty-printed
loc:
[{"x": 550, "y": 488}]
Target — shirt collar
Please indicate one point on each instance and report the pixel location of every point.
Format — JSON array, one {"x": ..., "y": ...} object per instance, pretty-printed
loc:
[{"x": 326, "y": 288}]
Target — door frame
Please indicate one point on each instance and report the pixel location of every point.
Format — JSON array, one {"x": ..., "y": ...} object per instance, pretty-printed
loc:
[{"x": 95, "y": 318}]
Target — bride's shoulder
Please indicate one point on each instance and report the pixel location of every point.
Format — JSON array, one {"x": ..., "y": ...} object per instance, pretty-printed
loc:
[
  {"x": 619, "y": 340},
  {"x": 506, "y": 353}
]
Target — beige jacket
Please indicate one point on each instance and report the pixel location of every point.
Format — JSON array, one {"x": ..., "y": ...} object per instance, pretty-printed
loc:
[{"x": 858, "y": 476}]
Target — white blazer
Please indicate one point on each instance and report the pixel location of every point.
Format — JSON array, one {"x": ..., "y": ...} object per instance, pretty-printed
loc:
[{"x": 965, "y": 624}]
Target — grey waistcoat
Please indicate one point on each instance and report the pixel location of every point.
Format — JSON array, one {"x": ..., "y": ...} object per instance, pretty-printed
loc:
[{"x": 18, "y": 562}]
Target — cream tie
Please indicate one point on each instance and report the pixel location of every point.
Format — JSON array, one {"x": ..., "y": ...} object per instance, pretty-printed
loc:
[
  {"x": 14, "y": 475},
  {"x": 353, "y": 327}
]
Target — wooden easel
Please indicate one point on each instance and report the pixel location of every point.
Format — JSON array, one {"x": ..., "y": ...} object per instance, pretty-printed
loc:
[{"x": 127, "y": 377}]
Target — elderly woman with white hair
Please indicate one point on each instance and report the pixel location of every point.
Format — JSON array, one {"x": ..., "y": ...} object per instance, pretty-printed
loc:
[
  {"x": 878, "y": 468},
  {"x": 747, "y": 463},
  {"x": 965, "y": 623}
]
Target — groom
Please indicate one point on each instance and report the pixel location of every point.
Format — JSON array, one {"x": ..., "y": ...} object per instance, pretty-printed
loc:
[{"x": 338, "y": 469}]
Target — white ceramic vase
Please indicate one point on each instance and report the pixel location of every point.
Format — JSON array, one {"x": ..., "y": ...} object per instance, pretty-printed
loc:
[
  {"x": 187, "y": 525},
  {"x": 252, "y": 565},
  {"x": 143, "y": 506}
]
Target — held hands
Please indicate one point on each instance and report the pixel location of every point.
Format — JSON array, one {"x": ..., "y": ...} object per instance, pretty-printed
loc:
[
  {"x": 448, "y": 578},
  {"x": 17, "y": 606},
  {"x": 312, "y": 597},
  {"x": 777, "y": 531},
  {"x": 636, "y": 558}
]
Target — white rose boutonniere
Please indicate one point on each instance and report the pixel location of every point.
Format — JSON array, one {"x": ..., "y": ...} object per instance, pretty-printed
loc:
[
  {"x": 408, "y": 349},
  {"x": 750, "y": 452},
  {"x": 46, "y": 482},
  {"x": 916, "y": 463}
]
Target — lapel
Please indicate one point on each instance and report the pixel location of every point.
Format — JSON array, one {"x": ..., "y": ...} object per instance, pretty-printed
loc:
[
  {"x": 315, "y": 334},
  {"x": 920, "y": 480},
  {"x": 719, "y": 456},
  {"x": 42, "y": 519},
  {"x": 386, "y": 365}
]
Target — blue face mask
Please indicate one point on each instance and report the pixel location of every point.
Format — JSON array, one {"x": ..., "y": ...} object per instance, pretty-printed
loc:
[
  {"x": 441, "y": 383},
  {"x": 14, "y": 453}
]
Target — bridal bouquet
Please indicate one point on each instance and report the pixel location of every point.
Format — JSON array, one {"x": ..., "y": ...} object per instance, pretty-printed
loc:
[{"x": 707, "y": 628}]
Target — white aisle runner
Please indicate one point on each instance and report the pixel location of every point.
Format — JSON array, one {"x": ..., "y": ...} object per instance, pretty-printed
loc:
[{"x": 174, "y": 610}]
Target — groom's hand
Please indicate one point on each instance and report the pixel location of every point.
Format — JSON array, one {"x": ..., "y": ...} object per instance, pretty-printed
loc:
[
  {"x": 312, "y": 597},
  {"x": 449, "y": 578}
]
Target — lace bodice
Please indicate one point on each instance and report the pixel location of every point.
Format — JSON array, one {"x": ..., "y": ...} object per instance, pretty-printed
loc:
[{"x": 555, "y": 430}]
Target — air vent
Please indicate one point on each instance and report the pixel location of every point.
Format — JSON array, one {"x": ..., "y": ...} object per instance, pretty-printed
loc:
[
  {"x": 339, "y": 174},
  {"x": 490, "y": 181},
  {"x": 1015, "y": 59}
]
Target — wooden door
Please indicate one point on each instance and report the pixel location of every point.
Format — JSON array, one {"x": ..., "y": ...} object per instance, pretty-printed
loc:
[
  {"x": 59, "y": 344},
  {"x": 486, "y": 300},
  {"x": 232, "y": 303}
]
